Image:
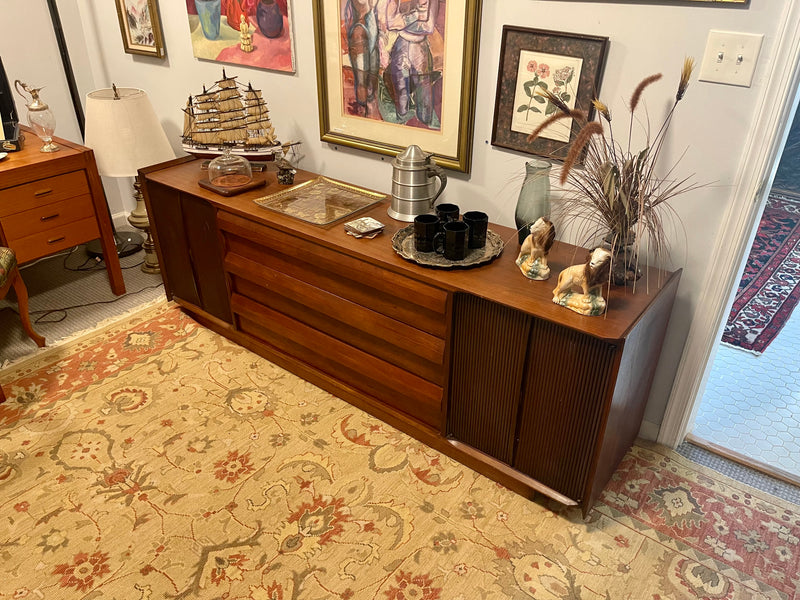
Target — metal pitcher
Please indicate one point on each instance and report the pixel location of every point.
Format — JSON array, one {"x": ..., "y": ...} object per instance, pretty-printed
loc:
[{"x": 414, "y": 184}]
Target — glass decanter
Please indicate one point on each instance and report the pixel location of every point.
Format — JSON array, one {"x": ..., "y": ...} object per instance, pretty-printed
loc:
[{"x": 40, "y": 117}]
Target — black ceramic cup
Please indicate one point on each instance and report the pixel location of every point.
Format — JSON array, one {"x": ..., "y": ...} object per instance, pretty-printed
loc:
[
  {"x": 452, "y": 240},
  {"x": 478, "y": 223},
  {"x": 447, "y": 212},
  {"x": 425, "y": 229}
]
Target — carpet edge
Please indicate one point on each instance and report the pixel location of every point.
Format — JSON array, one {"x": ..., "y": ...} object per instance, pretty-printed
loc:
[{"x": 41, "y": 354}]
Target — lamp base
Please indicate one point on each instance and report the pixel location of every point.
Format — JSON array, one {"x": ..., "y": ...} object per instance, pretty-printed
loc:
[{"x": 128, "y": 242}]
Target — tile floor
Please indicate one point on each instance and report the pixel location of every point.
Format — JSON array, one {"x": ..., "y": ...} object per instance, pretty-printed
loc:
[{"x": 751, "y": 403}]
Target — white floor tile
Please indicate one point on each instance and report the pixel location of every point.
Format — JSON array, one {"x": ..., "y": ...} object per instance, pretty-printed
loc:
[{"x": 747, "y": 396}]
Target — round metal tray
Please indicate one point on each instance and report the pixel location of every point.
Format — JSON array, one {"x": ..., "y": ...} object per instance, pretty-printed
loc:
[{"x": 403, "y": 244}]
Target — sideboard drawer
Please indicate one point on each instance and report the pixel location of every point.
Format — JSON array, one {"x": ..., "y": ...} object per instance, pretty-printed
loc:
[
  {"x": 55, "y": 239},
  {"x": 411, "y": 302},
  {"x": 389, "y": 339},
  {"x": 45, "y": 218},
  {"x": 391, "y": 385},
  {"x": 44, "y": 191}
]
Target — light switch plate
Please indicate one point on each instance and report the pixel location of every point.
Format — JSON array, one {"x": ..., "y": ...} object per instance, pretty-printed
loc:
[{"x": 730, "y": 57}]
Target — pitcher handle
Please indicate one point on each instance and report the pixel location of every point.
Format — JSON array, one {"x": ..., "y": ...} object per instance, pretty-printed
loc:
[{"x": 437, "y": 171}]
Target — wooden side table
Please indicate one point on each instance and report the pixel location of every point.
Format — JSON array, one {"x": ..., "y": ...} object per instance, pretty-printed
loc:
[{"x": 53, "y": 201}]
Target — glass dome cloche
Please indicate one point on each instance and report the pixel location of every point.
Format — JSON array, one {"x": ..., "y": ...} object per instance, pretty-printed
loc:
[{"x": 229, "y": 170}]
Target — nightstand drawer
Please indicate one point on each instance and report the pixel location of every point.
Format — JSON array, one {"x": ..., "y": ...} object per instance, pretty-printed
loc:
[
  {"x": 53, "y": 240},
  {"x": 47, "y": 217},
  {"x": 44, "y": 191}
]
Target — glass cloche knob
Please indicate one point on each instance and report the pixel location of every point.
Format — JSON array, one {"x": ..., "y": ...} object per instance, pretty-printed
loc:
[{"x": 40, "y": 117}]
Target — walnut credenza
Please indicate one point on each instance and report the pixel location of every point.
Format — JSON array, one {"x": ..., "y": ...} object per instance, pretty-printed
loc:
[
  {"x": 478, "y": 363},
  {"x": 50, "y": 201}
]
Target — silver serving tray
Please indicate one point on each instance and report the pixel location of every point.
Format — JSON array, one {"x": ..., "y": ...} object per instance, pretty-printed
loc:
[{"x": 403, "y": 244}]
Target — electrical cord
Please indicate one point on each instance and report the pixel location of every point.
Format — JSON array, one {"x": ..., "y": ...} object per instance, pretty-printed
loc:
[
  {"x": 49, "y": 256},
  {"x": 43, "y": 314},
  {"x": 96, "y": 263}
]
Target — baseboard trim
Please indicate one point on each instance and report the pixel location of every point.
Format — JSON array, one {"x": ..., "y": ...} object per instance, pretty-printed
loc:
[{"x": 649, "y": 431}]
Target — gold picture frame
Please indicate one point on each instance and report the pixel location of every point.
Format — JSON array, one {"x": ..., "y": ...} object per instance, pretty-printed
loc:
[
  {"x": 140, "y": 26},
  {"x": 379, "y": 108}
]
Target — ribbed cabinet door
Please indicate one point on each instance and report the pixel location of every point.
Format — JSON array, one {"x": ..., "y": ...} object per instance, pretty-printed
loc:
[
  {"x": 489, "y": 347},
  {"x": 567, "y": 380}
]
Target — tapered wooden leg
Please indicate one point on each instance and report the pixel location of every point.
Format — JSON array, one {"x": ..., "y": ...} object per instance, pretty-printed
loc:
[{"x": 22, "y": 300}]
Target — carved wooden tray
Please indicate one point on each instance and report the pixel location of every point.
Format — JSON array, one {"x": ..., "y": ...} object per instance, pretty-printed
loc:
[{"x": 403, "y": 244}]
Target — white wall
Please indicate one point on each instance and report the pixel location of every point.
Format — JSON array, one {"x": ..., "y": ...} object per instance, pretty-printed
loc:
[{"x": 711, "y": 128}]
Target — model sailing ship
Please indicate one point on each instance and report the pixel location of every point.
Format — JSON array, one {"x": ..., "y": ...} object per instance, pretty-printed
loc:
[{"x": 229, "y": 115}]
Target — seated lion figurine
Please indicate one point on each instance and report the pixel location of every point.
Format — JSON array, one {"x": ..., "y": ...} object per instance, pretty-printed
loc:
[
  {"x": 532, "y": 259},
  {"x": 589, "y": 277}
]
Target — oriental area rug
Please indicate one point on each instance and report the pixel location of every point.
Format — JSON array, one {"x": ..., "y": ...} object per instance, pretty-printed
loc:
[
  {"x": 155, "y": 459},
  {"x": 770, "y": 285}
]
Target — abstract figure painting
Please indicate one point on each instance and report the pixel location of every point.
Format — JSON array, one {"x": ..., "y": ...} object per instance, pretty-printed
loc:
[
  {"x": 255, "y": 33},
  {"x": 403, "y": 42},
  {"x": 140, "y": 27},
  {"x": 382, "y": 77}
]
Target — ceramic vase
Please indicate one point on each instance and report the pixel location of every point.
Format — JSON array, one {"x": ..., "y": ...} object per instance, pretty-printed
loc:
[
  {"x": 209, "y": 12},
  {"x": 534, "y": 197},
  {"x": 233, "y": 12},
  {"x": 269, "y": 18}
]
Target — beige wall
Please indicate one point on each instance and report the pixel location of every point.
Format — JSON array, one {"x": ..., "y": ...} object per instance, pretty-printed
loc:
[{"x": 710, "y": 131}]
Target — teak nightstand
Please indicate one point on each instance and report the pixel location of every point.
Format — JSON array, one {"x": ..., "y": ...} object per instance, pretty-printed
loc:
[{"x": 50, "y": 201}]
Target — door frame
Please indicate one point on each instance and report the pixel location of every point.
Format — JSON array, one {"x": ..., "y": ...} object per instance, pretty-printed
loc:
[{"x": 757, "y": 170}]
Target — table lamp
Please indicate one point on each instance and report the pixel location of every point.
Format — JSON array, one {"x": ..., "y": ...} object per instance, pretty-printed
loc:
[{"x": 123, "y": 130}]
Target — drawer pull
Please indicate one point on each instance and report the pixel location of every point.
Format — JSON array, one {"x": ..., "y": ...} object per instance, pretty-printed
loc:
[
  {"x": 43, "y": 192},
  {"x": 54, "y": 240},
  {"x": 49, "y": 217}
]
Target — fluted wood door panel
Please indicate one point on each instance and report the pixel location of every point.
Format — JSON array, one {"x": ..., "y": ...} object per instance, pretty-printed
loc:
[
  {"x": 568, "y": 378},
  {"x": 489, "y": 346}
]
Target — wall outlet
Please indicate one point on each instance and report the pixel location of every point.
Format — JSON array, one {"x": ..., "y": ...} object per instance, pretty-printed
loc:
[{"x": 730, "y": 57}]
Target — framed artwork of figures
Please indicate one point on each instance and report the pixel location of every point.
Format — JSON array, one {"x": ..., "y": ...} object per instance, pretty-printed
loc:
[
  {"x": 391, "y": 73},
  {"x": 532, "y": 61},
  {"x": 140, "y": 27}
]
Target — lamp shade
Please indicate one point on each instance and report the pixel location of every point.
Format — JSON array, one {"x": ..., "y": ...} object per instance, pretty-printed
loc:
[{"x": 123, "y": 130}]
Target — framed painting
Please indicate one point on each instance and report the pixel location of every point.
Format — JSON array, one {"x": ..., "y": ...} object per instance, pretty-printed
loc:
[
  {"x": 253, "y": 33},
  {"x": 140, "y": 27},
  {"x": 569, "y": 65},
  {"x": 392, "y": 73}
]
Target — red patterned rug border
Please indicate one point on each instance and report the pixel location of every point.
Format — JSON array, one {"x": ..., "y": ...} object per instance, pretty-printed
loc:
[{"x": 90, "y": 357}]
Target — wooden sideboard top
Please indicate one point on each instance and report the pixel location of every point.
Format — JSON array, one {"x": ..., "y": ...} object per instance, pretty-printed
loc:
[{"x": 500, "y": 281}]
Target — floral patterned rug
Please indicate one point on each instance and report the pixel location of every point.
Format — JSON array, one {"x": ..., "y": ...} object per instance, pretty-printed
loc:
[{"x": 156, "y": 459}]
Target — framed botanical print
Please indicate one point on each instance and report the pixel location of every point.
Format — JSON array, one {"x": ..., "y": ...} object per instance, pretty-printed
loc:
[
  {"x": 533, "y": 61},
  {"x": 391, "y": 73},
  {"x": 140, "y": 27}
]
